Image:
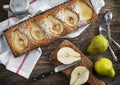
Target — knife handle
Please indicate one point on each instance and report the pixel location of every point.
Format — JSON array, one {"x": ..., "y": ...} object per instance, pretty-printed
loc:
[{"x": 42, "y": 76}]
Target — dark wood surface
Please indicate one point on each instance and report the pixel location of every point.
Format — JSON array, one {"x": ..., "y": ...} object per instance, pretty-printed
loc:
[{"x": 82, "y": 41}]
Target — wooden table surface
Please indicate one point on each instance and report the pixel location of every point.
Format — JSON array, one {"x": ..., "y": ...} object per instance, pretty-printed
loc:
[{"x": 82, "y": 41}]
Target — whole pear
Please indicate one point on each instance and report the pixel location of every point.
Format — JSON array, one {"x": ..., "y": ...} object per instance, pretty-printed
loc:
[
  {"x": 104, "y": 67},
  {"x": 98, "y": 44}
]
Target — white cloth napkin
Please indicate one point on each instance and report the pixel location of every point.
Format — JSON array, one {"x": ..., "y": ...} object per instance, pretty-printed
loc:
[{"x": 24, "y": 64}]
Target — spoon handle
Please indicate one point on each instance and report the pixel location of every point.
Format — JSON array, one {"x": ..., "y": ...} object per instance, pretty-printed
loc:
[
  {"x": 109, "y": 33},
  {"x": 110, "y": 38},
  {"x": 117, "y": 45},
  {"x": 113, "y": 54}
]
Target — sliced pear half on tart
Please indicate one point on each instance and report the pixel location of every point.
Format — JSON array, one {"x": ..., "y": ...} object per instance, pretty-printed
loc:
[
  {"x": 70, "y": 17},
  {"x": 84, "y": 11},
  {"x": 36, "y": 32},
  {"x": 20, "y": 41},
  {"x": 55, "y": 25}
]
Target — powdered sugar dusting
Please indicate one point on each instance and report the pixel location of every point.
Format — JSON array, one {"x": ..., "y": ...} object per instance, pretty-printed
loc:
[
  {"x": 45, "y": 26},
  {"x": 60, "y": 15},
  {"x": 24, "y": 29}
]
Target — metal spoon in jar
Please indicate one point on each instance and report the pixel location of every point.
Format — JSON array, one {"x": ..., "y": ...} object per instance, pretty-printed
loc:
[
  {"x": 108, "y": 17},
  {"x": 103, "y": 31}
]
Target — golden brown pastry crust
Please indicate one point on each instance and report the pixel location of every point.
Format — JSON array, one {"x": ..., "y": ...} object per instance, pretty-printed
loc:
[{"x": 25, "y": 27}]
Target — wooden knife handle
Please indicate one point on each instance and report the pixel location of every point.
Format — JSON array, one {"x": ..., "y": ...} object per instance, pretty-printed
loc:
[{"x": 94, "y": 80}]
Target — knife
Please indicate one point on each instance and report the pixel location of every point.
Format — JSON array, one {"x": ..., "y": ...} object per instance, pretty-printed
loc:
[{"x": 56, "y": 70}]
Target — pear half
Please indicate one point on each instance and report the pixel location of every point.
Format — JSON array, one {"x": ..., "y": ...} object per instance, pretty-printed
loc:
[
  {"x": 79, "y": 75},
  {"x": 84, "y": 10},
  {"x": 36, "y": 32},
  {"x": 55, "y": 25},
  {"x": 70, "y": 17},
  {"x": 20, "y": 41},
  {"x": 67, "y": 55}
]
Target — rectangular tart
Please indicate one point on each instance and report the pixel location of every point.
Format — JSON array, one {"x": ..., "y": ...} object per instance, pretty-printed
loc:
[{"x": 52, "y": 24}]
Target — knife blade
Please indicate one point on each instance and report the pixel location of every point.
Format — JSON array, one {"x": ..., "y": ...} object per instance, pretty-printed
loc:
[{"x": 56, "y": 70}]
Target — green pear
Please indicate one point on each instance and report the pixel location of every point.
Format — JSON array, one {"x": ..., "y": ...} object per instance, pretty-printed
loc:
[
  {"x": 104, "y": 67},
  {"x": 98, "y": 44}
]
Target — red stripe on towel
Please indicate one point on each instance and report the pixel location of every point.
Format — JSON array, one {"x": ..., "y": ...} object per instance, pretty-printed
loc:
[
  {"x": 12, "y": 16},
  {"x": 32, "y": 1},
  {"x": 23, "y": 61}
]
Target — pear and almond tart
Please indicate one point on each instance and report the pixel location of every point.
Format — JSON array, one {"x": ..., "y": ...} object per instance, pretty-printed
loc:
[{"x": 41, "y": 29}]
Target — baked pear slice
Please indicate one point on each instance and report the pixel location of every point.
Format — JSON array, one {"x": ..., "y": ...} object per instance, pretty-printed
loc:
[
  {"x": 55, "y": 25},
  {"x": 79, "y": 75},
  {"x": 70, "y": 17},
  {"x": 67, "y": 55},
  {"x": 36, "y": 32},
  {"x": 84, "y": 11},
  {"x": 20, "y": 41}
]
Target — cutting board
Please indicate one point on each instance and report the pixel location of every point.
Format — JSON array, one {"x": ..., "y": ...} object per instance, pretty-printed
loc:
[{"x": 85, "y": 61}]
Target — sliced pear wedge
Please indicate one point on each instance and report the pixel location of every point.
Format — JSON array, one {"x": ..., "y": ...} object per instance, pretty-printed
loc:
[
  {"x": 20, "y": 41},
  {"x": 84, "y": 10},
  {"x": 67, "y": 55},
  {"x": 79, "y": 75},
  {"x": 54, "y": 24},
  {"x": 70, "y": 17},
  {"x": 36, "y": 32}
]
